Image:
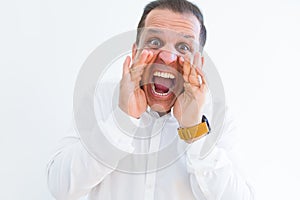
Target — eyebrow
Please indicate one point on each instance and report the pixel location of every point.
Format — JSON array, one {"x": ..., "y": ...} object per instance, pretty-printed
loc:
[
  {"x": 187, "y": 36},
  {"x": 153, "y": 30}
]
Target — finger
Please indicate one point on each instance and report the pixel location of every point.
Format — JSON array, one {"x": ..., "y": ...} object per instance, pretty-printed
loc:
[
  {"x": 137, "y": 68},
  {"x": 189, "y": 90},
  {"x": 197, "y": 60},
  {"x": 136, "y": 73},
  {"x": 201, "y": 74},
  {"x": 126, "y": 65},
  {"x": 193, "y": 77},
  {"x": 181, "y": 61},
  {"x": 141, "y": 59},
  {"x": 186, "y": 68},
  {"x": 197, "y": 63},
  {"x": 150, "y": 57},
  {"x": 203, "y": 86}
]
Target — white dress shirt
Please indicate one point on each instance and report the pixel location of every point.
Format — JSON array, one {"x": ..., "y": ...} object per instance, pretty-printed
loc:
[{"x": 75, "y": 171}]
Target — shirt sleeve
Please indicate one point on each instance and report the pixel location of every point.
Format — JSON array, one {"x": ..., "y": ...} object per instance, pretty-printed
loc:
[
  {"x": 79, "y": 165},
  {"x": 73, "y": 172},
  {"x": 218, "y": 176}
]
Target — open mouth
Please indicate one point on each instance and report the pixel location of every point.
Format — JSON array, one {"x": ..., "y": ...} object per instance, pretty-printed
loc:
[{"x": 162, "y": 83}]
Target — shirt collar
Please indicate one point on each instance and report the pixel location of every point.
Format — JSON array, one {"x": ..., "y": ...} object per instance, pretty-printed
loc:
[{"x": 155, "y": 114}]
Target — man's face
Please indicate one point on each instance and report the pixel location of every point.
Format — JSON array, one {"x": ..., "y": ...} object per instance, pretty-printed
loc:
[{"x": 169, "y": 36}]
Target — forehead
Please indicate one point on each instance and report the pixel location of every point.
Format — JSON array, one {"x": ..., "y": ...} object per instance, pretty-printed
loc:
[{"x": 186, "y": 24}]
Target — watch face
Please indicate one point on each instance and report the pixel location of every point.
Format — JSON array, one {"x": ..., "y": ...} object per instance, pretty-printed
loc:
[{"x": 204, "y": 119}]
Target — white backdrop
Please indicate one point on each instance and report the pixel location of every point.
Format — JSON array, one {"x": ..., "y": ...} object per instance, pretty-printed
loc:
[{"x": 253, "y": 43}]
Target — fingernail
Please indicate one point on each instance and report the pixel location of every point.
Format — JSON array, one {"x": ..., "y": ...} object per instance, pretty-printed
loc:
[
  {"x": 181, "y": 59},
  {"x": 145, "y": 51}
]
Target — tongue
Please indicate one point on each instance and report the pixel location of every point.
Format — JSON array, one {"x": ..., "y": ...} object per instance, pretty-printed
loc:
[{"x": 162, "y": 85}]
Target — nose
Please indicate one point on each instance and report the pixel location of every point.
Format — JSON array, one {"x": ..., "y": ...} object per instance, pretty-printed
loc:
[{"x": 167, "y": 57}]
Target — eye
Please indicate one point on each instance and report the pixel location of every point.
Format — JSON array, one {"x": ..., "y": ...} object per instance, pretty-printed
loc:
[
  {"x": 183, "y": 48},
  {"x": 154, "y": 43}
]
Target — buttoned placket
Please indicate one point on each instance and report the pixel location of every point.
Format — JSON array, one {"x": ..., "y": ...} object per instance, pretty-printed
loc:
[{"x": 153, "y": 158}]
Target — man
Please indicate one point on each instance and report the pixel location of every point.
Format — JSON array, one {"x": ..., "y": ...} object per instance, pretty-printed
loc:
[{"x": 163, "y": 89}]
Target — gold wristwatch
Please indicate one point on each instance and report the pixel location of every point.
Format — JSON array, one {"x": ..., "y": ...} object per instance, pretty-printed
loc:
[{"x": 196, "y": 131}]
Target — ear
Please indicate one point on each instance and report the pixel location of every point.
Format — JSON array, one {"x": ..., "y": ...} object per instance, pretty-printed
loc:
[{"x": 134, "y": 51}]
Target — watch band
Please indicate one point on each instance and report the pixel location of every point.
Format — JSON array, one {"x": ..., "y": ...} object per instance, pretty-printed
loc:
[{"x": 196, "y": 131}]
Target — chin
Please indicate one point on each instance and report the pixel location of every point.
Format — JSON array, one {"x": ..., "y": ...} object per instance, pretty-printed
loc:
[
  {"x": 160, "y": 104},
  {"x": 160, "y": 108}
]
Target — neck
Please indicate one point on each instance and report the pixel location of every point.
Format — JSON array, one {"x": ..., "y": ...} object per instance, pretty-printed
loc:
[{"x": 163, "y": 113}]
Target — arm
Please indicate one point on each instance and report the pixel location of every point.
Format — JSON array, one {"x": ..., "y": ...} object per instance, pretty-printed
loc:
[
  {"x": 214, "y": 177},
  {"x": 73, "y": 171},
  {"x": 218, "y": 176}
]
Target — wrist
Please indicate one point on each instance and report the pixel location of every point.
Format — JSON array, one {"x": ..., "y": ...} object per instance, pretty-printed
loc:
[
  {"x": 196, "y": 131},
  {"x": 190, "y": 121}
]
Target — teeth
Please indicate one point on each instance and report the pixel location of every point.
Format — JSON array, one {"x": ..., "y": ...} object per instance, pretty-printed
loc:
[
  {"x": 160, "y": 94},
  {"x": 164, "y": 75}
]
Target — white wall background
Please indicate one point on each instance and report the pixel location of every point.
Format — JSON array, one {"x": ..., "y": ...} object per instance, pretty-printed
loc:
[{"x": 254, "y": 44}]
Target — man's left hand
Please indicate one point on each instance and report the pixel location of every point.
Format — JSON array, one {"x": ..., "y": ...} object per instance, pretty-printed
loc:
[{"x": 188, "y": 106}]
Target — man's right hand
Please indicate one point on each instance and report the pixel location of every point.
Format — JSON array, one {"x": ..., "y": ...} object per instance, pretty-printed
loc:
[{"x": 132, "y": 99}]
